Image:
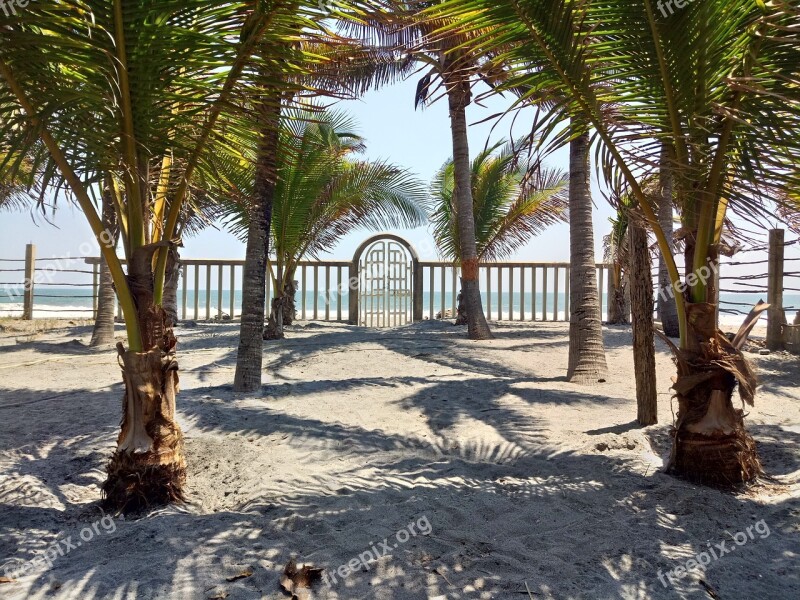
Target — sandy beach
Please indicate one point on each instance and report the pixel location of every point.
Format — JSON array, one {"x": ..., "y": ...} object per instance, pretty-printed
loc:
[{"x": 464, "y": 470}]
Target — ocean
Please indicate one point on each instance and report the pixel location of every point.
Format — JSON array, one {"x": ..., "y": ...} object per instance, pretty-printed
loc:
[{"x": 71, "y": 302}]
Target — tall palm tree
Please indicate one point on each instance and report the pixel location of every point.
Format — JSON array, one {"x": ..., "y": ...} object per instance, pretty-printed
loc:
[
  {"x": 587, "y": 355},
  {"x": 514, "y": 198},
  {"x": 322, "y": 191},
  {"x": 139, "y": 87},
  {"x": 716, "y": 82},
  {"x": 259, "y": 205},
  {"x": 324, "y": 64},
  {"x": 456, "y": 69}
]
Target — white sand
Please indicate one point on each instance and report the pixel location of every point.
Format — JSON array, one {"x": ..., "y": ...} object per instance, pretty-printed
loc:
[{"x": 523, "y": 478}]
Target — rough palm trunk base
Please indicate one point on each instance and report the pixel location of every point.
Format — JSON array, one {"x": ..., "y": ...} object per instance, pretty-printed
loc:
[
  {"x": 477, "y": 327},
  {"x": 711, "y": 445},
  {"x": 274, "y": 327},
  {"x": 461, "y": 309},
  {"x": 619, "y": 305},
  {"x": 289, "y": 307},
  {"x": 148, "y": 467}
]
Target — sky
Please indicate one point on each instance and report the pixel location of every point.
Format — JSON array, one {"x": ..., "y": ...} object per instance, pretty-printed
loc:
[{"x": 418, "y": 140}]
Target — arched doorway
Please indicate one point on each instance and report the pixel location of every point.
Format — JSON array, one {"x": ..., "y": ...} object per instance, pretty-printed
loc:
[{"x": 385, "y": 283}]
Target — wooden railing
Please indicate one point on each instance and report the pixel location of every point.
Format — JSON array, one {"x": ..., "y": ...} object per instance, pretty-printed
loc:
[{"x": 210, "y": 289}]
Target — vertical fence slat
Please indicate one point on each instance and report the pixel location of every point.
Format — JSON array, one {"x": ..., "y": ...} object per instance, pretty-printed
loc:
[
  {"x": 30, "y": 271},
  {"x": 500, "y": 293},
  {"x": 233, "y": 290},
  {"x": 775, "y": 270},
  {"x": 489, "y": 293},
  {"x": 95, "y": 290},
  {"x": 533, "y": 308},
  {"x": 430, "y": 292},
  {"x": 443, "y": 295},
  {"x": 339, "y": 293},
  {"x": 196, "y": 292},
  {"x": 316, "y": 291},
  {"x": 184, "y": 285},
  {"x": 555, "y": 294},
  {"x": 327, "y": 293},
  {"x": 208, "y": 292},
  {"x": 522, "y": 294},
  {"x": 544, "y": 293},
  {"x": 566, "y": 294},
  {"x": 219, "y": 292},
  {"x": 303, "y": 287},
  {"x": 510, "y": 293}
]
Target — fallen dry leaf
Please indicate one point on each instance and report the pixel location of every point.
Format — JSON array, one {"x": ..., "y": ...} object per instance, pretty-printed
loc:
[
  {"x": 7, "y": 580},
  {"x": 293, "y": 579},
  {"x": 241, "y": 575},
  {"x": 219, "y": 595}
]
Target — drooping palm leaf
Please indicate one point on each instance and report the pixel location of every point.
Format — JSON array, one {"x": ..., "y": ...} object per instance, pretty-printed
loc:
[{"x": 514, "y": 199}]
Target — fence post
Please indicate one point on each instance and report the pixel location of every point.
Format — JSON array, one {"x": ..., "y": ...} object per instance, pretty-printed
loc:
[
  {"x": 775, "y": 315},
  {"x": 416, "y": 282},
  {"x": 30, "y": 270},
  {"x": 352, "y": 292}
]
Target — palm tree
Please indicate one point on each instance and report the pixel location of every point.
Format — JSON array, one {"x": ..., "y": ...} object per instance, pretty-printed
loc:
[
  {"x": 587, "y": 355},
  {"x": 139, "y": 88},
  {"x": 514, "y": 199},
  {"x": 325, "y": 65},
  {"x": 321, "y": 193},
  {"x": 456, "y": 68},
  {"x": 615, "y": 246},
  {"x": 711, "y": 83}
]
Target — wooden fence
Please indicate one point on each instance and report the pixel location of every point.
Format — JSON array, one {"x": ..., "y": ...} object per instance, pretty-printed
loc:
[{"x": 209, "y": 289}]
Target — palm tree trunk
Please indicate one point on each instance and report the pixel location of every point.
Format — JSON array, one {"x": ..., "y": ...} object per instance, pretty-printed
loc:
[
  {"x": 289, "y": 307},
  {"x": 103, "y": 331},
  {"x": 587, "y": 356},
  {"x": 711, "y": 445},
  {"x": 458, "y": 93},
  {"x": 619, "y": 306},
  {"x": 644, "y": 356},
  {"x": 170, "y": 299},
  {"x": 282, "y": 304},
  {"x": 148, "y": 466},
  {"x": 250, "y": 353},
  {"x": 667, "y": 308}
]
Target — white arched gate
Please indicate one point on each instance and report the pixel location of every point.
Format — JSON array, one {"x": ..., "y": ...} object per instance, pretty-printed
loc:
[
  {"x": 385, "y": 283},
  {"x": 385, "y": 286}
]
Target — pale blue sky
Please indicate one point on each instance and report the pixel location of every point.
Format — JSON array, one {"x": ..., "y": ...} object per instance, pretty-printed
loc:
[{"x": 418, "y": 140}]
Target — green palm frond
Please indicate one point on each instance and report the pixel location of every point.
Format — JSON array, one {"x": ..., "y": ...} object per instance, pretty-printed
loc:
[
  {"x": 514, "y": 197},
  {"x": 323, "y": 192}
]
